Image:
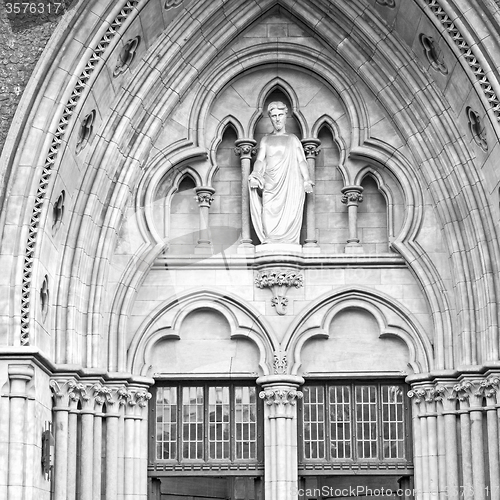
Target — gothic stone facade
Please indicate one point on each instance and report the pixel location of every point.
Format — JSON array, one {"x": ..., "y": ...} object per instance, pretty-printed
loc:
[{"x": 151, "y": 348}]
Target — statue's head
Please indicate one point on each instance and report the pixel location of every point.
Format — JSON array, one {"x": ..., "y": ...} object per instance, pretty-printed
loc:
[
  {"x": 277, "y": 112},
  {"x": 277, "y": 105}
]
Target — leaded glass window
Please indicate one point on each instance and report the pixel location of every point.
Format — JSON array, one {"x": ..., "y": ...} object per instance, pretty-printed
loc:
[
  {"x": 354, "y": 422},
  {"x": 206, "y": 422}
]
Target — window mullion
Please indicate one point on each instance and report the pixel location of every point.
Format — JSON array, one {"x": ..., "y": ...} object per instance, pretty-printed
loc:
[
  {"x": 232, "y": 424},
  {"x": 326, "y": 410},
  {"x": 206, "y": 423},
  {"x": 380, "y": 423},
  {"x": 180, "y": 425},
  {"x": 354, "y": 423}
]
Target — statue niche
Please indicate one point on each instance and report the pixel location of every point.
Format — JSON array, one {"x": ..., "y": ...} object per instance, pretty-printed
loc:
[{"x": 279, "y": 182}]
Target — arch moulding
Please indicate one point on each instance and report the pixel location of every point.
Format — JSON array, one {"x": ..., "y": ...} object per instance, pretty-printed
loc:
[
  {"x": 392, "y": 318},
  {"x": 165, "y": 322}
]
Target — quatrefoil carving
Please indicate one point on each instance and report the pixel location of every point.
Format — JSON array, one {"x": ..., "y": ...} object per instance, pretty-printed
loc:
[
  {"x": 126, "y": 56},
  {"x": 387, "y": 3},
  {"x": 58, "y": 212},
  {"x": 432, "y": 54},
  {"x": 86, "y": 129},
  {"x": 477, "y": 128},
  {"x": 170, "y": 4},
  {"x": 44, "y": 297}
]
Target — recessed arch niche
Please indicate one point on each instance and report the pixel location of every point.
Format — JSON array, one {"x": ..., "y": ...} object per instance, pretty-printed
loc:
[
  {"x": 204, "y": 345},
  {"x": 225, "y": 210},
  {"x": 373, "y": 226},
  {"x": 263, "y": 125},
  {"x": 354, "y": 345},
  {"x": 331, "y": 215}
]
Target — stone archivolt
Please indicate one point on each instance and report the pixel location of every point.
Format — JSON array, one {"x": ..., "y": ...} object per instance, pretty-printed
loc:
[{"x": 442, "y": 176}]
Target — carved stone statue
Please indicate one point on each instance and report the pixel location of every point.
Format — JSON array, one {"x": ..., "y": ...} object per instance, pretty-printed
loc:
[{"x": 281, "y": 174}]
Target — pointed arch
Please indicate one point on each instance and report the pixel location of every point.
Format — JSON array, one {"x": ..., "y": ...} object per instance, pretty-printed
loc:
[
  {"x": 329, "y": 123},
  {"x": 278, "y": 84},
  {"x": 227, "y": 122}
]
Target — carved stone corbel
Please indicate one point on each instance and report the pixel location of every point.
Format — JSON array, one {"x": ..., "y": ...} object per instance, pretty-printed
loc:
[{"x": 279, "y": 282}]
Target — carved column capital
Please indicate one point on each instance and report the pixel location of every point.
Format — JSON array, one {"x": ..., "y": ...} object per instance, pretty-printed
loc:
[
  {"x": 489, "y": 387},
  {"x": 245, "y": 148},
  {"x": 102, "y": 395},
  {"x": 280, "y": 396},
  {"x": 417, "y": 395},
  {"x": 352, "y": 195},
  {"x": 142, "y": 398},
  {"x": 204, "y": 196},
  {"x": 311, "y": 147}
]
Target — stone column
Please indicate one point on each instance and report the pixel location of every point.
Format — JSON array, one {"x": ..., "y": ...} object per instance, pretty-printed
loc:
[
  {"x": 417, "y": 395},
  {"x": 128, "y": 401},
  {"x": 19, "y": 377},
  {"x": 352, "y": 197},
  {"x": 489, "y": 389},
  {"x": 87, "y": 444},
  {"x": 280, "y": 430},
  {"x": 112, "y": 438},
  {"x": 204, "y": 197},
  {"x": 141, "y": 444},
  {"x": 74, "y": 398},
  {"x": 432, "y": 443},
  {"x": 476, "y": 439},
  {"x": 245, "y": 149},
  {"x": 462, "y": 391},
  {"x": 61, "y": 435},
  {"x": 450, "y": 445},
  {"x": 311, "y": 150},
  {"x": 103, "y": 396}
]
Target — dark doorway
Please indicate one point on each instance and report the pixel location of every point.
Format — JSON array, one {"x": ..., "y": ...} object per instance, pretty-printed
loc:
[
  {"x": 206, "y": 488},
  {"x": 362, "y": 487}
]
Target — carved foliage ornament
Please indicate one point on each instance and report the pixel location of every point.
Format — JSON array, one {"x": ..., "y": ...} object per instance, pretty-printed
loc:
[
  {"x": 94, "y": 395},
  {"x": 460, "y": 391},
  {"x": 280, "y": 397},
  {"x": 245, "y": 150},
  {"x": 351, "y": 197},
  {"x": 279, "y": 282},
  {"x": 280, "y": 363},
  {"x": 311, "y": 150},
  {"x": 204, "y": 199}
]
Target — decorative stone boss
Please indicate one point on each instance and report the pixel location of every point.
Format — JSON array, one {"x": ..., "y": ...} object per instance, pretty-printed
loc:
[{"x": 279, "y": 182}]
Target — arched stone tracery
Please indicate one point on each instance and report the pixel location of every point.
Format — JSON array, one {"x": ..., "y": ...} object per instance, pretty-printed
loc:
[{"x": 116, "y": 292}]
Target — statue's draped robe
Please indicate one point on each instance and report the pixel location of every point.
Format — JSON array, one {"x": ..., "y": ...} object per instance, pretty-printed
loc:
[{"x": 277, "y": 215}]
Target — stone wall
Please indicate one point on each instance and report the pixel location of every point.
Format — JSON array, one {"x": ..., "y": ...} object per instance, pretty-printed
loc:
[{"x": 23, "y": 37}]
